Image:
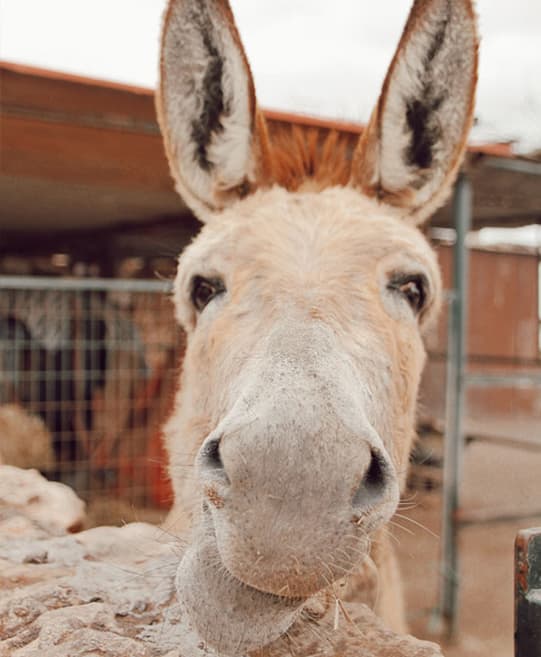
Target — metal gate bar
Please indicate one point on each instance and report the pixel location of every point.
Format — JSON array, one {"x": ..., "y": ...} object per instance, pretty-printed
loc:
[
  {"x": 83, "y": 284},
  {"x": 528, "y": 593},
  {"x": 458, "y": 380},
  {"x": 455, "y": 398}
]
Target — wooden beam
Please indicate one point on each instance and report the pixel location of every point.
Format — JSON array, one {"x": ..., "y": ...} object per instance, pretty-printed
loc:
[{"x": 82, "y": 154}]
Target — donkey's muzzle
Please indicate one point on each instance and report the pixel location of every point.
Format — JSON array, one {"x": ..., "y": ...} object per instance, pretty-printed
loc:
[
  {"x": 373, "y": 489},
  {"x": 292, "y": 509}
]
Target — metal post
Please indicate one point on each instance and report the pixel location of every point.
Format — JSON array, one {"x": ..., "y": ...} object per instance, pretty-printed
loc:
[
  {"x": 455, "y": 400},
  {"x": 528, "y": 593}
]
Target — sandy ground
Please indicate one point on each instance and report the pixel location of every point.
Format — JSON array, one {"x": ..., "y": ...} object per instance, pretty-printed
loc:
[{"x": 497, "y": 478}]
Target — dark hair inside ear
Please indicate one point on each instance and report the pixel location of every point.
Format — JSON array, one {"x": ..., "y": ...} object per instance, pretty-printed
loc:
[
  {"x": 206, "y": 105},
  {"x": 425, "y": 131},
  {"x": 413, "y": 146},
  {"x": 208, "y": 122},
  {"x": 421, "y": 112}
]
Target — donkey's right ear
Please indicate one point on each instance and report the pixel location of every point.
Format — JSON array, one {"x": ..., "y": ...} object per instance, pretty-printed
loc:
[
  {"x": 214, "y": 135},
  {"x": 410, "y": 152}
]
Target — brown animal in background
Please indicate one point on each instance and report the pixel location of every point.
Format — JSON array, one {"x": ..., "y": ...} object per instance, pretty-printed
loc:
[
  {"x": 304, "y": 302},
  {"x": 25, "y": 441}
]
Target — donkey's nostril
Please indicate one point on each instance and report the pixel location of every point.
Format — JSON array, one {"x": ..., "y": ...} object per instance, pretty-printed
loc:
[
  {"x": 374, "y": 484},
  {"x": 210, "y": 462},
  {"x": 374, "y": 477},
  {"x": 210, "y": 455}
]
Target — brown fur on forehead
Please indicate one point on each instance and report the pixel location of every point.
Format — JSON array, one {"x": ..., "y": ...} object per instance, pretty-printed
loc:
[{"x": 298, "y": 155}]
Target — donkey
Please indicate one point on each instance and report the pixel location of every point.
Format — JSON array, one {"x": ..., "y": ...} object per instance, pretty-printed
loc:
[{"x": 304, "y": 299}]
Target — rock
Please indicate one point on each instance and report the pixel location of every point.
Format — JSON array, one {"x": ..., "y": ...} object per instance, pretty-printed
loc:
[
  {"x": 93, "y": 630},
  {"x": 28, "y": 500},
  {"x": 93, "y": 593},
  {"x": 351, "y": 631}
]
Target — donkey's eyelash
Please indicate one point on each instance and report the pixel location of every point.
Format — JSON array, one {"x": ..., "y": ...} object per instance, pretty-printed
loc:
[
  {"x": 204, "y": 290},
  {"x": 414, "y": 288}
]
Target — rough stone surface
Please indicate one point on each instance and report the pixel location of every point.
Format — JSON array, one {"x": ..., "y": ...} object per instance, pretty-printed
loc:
[
  {"x": 109, "y": 592},
  {"x": 31, "y": 504}
]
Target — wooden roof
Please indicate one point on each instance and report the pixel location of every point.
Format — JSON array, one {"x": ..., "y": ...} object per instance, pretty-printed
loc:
[{"x": 85, "y": 155}]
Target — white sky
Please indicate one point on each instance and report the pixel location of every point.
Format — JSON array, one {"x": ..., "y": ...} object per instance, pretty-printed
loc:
[{"x": 320, "y": 57}]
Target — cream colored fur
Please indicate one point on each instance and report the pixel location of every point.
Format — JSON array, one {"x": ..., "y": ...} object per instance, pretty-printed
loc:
[
  {"x": 230, "y": 150},
  {"x": 295, "y": 413}
]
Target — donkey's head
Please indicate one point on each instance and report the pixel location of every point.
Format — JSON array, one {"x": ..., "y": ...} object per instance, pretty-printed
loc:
[{"x": 304, "y": 311}]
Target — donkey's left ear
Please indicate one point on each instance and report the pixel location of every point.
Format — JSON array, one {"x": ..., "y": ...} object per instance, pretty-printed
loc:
[
  {"x": 410, "y": 152},
  {"x": 213, "y": 133}
]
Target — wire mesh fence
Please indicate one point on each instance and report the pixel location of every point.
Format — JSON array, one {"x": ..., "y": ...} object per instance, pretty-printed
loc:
[{"x": 87, "y": 376}]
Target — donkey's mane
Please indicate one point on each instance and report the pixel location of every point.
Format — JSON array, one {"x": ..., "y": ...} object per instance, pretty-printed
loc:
[{"x": 309, "y": 155}]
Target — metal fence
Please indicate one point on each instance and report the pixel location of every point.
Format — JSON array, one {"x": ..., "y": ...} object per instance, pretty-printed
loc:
[
  {"x": 87, "y": 376},
  {"x": 459, "y": 380}
]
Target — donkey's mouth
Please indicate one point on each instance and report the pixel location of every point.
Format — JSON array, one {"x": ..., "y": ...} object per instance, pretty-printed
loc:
[
  {"x": 292, "y": 566},
  {"x": 242, "y": 578},
  {"x": 229, "y": 616}
]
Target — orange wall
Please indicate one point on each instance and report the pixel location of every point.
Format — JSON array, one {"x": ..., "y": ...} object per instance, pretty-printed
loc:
[{"x": 502, "y": 332}]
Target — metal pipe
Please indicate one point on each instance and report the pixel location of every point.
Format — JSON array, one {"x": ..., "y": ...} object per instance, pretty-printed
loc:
[
  {"x": 529, "y": 167},
  {"x": 503, "y": 379},
  {"x": 455, "y": 401},
  {"x": 82, "y": 284},
  {"x": 487, "y": 516},
  {"x": 529, "y": 444}
]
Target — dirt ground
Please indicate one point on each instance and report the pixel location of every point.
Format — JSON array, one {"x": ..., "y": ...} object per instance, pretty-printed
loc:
[{"x": 496, "y": 478}]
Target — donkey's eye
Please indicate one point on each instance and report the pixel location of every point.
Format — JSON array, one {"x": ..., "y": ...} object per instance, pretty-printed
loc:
[
  {"x": 413, "y": 289},
  {"x": 204, "y": 290}
]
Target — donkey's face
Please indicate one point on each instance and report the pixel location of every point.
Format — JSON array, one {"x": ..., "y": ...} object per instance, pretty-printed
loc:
[{"x": 304, "y": 312}]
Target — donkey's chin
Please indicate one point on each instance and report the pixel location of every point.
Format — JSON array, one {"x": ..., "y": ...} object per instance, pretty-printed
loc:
[
  {"x": 290, "y": 563},
  {"x": 299, "y": 578},
  {"x": 229, "y": 616}
]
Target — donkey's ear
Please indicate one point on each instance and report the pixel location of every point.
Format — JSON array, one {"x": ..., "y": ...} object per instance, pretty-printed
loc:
[
  {"x": 410, "y": 152},
  {"x": 206, "y": 105}
]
